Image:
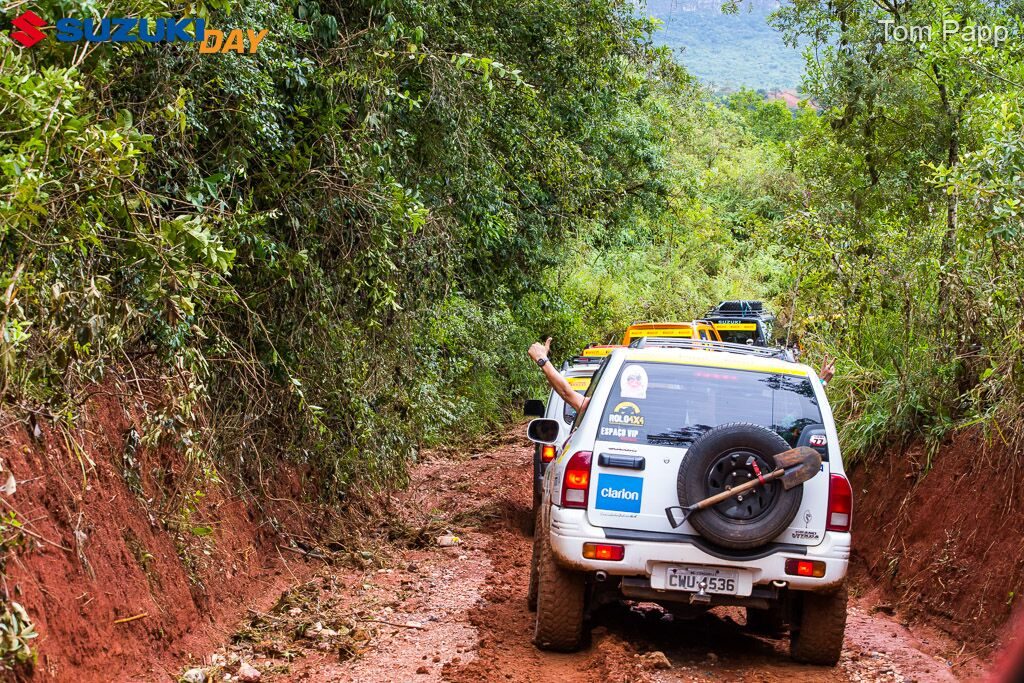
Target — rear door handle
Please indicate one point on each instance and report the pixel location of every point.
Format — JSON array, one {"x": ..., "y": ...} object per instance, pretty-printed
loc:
[{"x": 629, "y": 462}]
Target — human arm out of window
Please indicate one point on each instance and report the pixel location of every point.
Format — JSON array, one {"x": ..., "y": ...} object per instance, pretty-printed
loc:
[{"x": 561, "y": 386}]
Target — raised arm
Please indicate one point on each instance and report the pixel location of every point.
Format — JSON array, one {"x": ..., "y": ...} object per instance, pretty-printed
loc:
[
  {"x": 539, "y": 353},
  {"x": 828, "y": 369}
]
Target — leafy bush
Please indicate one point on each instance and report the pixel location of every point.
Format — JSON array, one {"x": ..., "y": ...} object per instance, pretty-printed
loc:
[
  {"x": 908, "y": 240},
  {"x": 332, "y": 250},
  {"x": 16, "y": 632}
]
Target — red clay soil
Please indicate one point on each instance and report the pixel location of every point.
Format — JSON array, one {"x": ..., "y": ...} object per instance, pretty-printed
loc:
[
  {"x": 942, "y": 548},
  {"x": 459, "y": 613},
  {"x": 97, "y": 555},
  {"x": 946, "y": 546}
]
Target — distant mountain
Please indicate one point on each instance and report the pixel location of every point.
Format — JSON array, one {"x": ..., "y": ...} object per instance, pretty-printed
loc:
[{"x": 727, "y": 50}]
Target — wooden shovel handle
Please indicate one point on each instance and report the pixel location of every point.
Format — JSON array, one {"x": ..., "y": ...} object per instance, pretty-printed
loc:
[{"x": 746, "y": 486}]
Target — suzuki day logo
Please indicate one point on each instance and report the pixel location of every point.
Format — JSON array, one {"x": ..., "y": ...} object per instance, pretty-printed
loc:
[{"x": 146, "y": 30}]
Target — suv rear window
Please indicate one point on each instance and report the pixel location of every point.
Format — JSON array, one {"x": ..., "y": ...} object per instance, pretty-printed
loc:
[
  {"x": 738, "y": 336},
  {"x": 741, "y": 331},
  {"x": 672, "y": 405}
]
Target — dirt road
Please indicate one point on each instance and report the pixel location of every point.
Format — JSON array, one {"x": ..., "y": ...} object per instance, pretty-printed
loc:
[{"x": 415, "y": 611}]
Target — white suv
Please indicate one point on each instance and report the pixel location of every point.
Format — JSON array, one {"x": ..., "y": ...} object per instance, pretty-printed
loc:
[{"x": 667, "y": 427}]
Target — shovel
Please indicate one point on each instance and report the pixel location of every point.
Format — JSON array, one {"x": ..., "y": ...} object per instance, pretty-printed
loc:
[{"x": 794, "y": 467}]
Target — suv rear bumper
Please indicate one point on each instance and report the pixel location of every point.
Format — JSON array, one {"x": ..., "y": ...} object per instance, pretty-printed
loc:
[{"x": 570, "y": 529}]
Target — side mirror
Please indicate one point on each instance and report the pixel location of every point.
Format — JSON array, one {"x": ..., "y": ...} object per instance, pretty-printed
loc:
[
  {"x": 533, "y": 408},
  {"x": 543, "y": 430}
]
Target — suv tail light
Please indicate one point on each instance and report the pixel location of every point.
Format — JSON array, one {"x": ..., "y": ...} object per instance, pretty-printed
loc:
[
  {"x": 814, "y": 568},
  {"x": 547, "y": 453},
  {"x": 840, "y": 504},
  {"x": 576, "y": 480},
  {"x": 604, "y": 551}
]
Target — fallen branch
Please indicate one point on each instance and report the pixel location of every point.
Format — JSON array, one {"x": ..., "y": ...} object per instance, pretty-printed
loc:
[
  {"x": 315, "y": 554},
  {"x": 391, "y": 623},
  {"x": 127, "y": 619}
]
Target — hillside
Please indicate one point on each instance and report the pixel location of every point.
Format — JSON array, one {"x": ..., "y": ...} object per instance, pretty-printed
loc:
[{"x": 728, "y": 50}]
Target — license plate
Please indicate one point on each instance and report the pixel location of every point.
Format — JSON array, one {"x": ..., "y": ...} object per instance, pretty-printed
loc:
[{"x": 693, "y": 579}]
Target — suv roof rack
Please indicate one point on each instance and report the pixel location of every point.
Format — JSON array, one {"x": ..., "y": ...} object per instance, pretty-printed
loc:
[
  {"x": 740, "y": 308},
  {"x": 706, "y": 345},
  {"x": 585, "y": 360}
]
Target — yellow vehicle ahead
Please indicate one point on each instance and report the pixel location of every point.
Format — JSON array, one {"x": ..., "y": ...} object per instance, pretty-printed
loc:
[
  {"x": 599, "y": 350},
  {"x": 694, "y": 329}
]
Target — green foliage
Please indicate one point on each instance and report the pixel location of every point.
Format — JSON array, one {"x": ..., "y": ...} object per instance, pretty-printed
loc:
[
  {"x": 335, "y": 249},
  {"x": 11, "y": 536},
  {"x": 714, "y": 239},
  {"x": 767, "y": 120},
  {"x": 907, "y": 247},
  {"x": 16, "y": 632}
]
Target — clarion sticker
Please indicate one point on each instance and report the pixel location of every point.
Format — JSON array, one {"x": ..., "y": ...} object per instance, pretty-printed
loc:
[
  {"x": 619, "y": 493},
  {"x": 609, "y": 492}
]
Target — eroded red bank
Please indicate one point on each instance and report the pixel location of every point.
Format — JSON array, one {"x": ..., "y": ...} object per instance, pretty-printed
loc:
[
  {"x": 116, "y": 580},
  {"x": 104, "y": 556}
]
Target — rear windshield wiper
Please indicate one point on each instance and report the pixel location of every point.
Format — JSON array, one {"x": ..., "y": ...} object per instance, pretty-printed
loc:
[
  {"x": 684, "y": 436},
  {"x": 669, "y": 439}
]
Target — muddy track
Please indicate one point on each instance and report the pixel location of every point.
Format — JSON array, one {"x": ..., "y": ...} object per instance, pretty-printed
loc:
[{"x": 459, "y": 613}]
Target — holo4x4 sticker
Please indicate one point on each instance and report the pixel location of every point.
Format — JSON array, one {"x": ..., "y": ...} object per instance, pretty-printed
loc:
[
  {"x": 626, "y": 413},
  {"x": 619, "y": 493}
]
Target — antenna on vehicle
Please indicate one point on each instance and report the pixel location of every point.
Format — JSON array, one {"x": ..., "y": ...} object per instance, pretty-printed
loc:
[{"x": 708, "y": 345}]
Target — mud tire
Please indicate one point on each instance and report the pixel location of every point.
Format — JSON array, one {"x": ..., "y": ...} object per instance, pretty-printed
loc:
[
  {"x": 692, "y": 485},
  {"x": 818, "y": 628},
  {"x": 536, "y": 488},
  {"x": 531, "y": 592},
  {"x": 561, "y": 603}
]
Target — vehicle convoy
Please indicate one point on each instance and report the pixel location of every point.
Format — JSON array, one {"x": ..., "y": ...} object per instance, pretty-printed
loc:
[
  {"x": 599, "y": 350},
  {"x": 694, "y": 329},
  {"x": 671, "y": 424},
  {"x": 742, "y": 322}
]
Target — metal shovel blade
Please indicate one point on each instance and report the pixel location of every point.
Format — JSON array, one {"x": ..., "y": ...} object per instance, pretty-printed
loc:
[
  {"x": 798, "y": 465},
  {"x": 677, "y": 515}
]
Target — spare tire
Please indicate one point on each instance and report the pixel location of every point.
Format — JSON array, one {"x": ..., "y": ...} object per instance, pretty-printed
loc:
[{"x": 724, "y": 458}]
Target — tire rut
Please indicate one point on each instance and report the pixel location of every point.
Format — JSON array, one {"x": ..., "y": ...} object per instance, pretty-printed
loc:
[{"x": 470, "y": 622}]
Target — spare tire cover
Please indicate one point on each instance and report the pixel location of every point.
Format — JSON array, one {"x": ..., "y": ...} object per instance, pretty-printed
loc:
[{"x": 724, "y": 458}]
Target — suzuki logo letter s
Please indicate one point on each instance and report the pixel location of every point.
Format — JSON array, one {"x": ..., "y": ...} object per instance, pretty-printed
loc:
[
  {"x": 29, "y": 34},
  {"x": 622, "y": 494}
]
